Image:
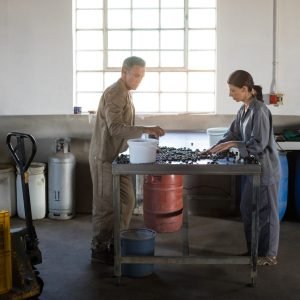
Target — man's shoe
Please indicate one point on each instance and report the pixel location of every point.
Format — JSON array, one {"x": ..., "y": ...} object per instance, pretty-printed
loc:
[{"x": 103, "y": 257}]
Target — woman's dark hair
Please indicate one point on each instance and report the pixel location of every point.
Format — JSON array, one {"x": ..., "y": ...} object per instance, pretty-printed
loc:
[{"x": 242, "y": 78}]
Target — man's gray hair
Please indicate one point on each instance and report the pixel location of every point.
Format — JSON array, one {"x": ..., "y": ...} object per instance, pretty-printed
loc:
[{"x": 131, "y": 61}]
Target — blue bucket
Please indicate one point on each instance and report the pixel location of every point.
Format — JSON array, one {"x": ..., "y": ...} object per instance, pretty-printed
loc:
[
  {"x": 283, "y": 185},
  {"x": 297, "y": 186},
  {"x": 137, "y": 242}
]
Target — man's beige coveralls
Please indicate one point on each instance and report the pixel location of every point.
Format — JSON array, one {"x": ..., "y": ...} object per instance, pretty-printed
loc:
[{"x": 114, "y": 126}]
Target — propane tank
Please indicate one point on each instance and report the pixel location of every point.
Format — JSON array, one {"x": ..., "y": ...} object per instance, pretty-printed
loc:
[{"x": 61, "y": 181}]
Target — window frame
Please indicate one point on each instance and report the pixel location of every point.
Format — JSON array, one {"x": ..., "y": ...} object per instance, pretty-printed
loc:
[{"x": 108, "y": 70}]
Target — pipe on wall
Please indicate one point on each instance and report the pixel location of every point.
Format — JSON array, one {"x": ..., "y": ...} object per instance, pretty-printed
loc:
[{"x": 273, "y": 88}]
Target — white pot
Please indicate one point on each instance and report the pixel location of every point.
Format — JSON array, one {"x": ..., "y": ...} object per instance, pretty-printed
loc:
[
  {"x": 142, "y": 150},
  {"x": 215, "y": 134}
]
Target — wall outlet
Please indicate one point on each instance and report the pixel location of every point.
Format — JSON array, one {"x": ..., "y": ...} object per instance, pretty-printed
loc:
[{"x": 273, "y": 99}]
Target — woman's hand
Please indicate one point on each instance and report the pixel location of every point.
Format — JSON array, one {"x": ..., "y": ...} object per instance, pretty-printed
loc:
[{"x": 221, "y": 147}]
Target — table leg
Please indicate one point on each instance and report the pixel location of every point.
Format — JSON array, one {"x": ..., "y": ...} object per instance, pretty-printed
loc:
[
  {"x": 255, "y": 227},
  {"x": 117, "y": 244}
]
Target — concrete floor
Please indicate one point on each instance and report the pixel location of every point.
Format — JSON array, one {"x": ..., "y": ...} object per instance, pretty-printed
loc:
[{"x": 68, "y": 273}]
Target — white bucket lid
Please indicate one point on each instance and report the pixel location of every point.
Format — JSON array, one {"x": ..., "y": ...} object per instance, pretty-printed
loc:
[
  {"x": 217, "y": 130},
  {"x": 35, "y": 168},
  {"x": 142, "y": 142}
]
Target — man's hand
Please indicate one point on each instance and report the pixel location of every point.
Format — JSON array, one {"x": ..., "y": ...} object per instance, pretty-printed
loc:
[{"x": 154, "y": 130}]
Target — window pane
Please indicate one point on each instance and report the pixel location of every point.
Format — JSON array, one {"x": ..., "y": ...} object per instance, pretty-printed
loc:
[
  {"x": 201, "y": 103},
  {"x": 145, "y": 18},
  {"x": 89, "y": 3},
  {"x": 118, "y": 3},
  {"x": 202, "y": 39},
  {"x": 145, "y": 3},
  {"x": 145, "y": 40},
  {"x": 150, "y": 82},
  {"x": 151, "y": 57},
  {"x": 111, "y": 77},
  {"x": 129, "y": 22},
  {"x": 90, "y": 82},
  {"x": 202, "y": 18},
  {"x": 202, "y": 60},
  {"x": 119, "y": 39},
  {"x": 173, "y": 81},
  {"x": 201, "y": 82},
  {"x": 172, "y": 18},
  {"x": 92, "y": 19},
  {"x": 88, "y": 101},
  {"x": 202, "y": 3},
  {"x": 171, "y": 102},
  {"x": 172, "y": 3},
  {"x": 89, "y": 60},
  {"x": 115, "y": 58},
  {"x": 172, "y": 39},
  {"x": 172, "y": 59},
  {"x": 89, "y": 40},
  {"x": 118, "y": 18},
  {"x": 146, "y": 102}
]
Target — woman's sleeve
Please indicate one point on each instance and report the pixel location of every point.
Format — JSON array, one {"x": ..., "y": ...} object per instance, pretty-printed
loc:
[
  {"x": 258, "y": 138},
  {"x": 233, "y": 133}
]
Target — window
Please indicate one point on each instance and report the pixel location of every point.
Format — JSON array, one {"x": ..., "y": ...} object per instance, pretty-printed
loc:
[{"x": 177, "y": 39}]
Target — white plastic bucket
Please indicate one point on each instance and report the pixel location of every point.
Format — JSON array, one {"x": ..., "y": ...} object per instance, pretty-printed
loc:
[
  {"x": 142, "y": 150},
  {"x": 37, "y": 192},
  {"x": 215, "y": 134},
  {"x": 8, "y": 189}
]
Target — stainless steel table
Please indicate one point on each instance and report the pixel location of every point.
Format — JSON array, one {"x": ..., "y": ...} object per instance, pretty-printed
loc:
[{"x": 201, "y": 167}]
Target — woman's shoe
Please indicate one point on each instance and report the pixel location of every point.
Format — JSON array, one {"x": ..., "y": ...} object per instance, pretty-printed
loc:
[{"x": 266, "y": 261}]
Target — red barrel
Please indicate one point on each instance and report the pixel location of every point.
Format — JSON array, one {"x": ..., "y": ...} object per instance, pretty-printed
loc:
[{"x": 163, "y": 204}]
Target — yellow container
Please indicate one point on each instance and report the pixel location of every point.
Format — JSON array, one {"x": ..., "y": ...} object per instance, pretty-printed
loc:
[{"x": 5, "y": 253}]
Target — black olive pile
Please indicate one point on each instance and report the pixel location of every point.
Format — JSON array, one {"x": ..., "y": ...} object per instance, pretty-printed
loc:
[
  {"x": 123, "y": 159},
  {"x": 185, "y": 155}
]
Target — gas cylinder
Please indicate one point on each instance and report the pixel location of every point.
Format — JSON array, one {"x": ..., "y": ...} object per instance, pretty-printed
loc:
[{"x": 61, "y": 181}]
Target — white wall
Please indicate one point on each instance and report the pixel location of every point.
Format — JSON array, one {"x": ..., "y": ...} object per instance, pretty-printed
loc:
[
  {"x": 245, "y": 41},
  {"x": 288, "y": 55},
  {"x": 36, "y": 53},
  {"x": 36, "y": 57}
]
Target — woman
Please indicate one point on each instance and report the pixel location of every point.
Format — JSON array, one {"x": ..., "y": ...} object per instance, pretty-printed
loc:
[{"x": 252, "y": 133}]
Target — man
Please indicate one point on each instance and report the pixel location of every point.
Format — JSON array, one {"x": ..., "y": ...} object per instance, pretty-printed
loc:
[{"x": 114, "y": 126}]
